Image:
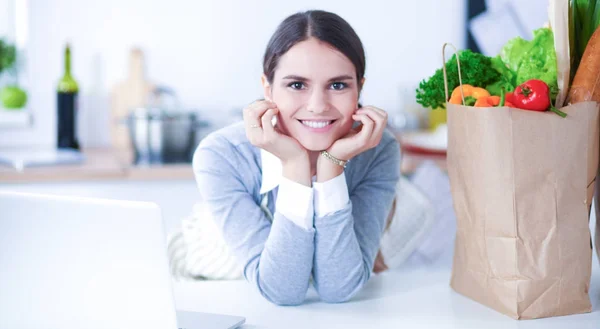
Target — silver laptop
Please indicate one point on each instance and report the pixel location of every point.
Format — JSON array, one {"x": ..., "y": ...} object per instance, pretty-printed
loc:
[{"x": 68, "y": 262}]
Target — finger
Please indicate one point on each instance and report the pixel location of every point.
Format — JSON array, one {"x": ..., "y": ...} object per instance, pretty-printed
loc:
[
  {"x": 262, "y": 102},
  {"x": 376, "y": 109},
  {"x": 367, "y": 126},
  {"x": 356, "y": 125},
  {"x": 253, "y": 125},
  {"x": 255, "y": 113},
  {"x": 267, "y": 122},
  {"x": 380, "y": 119},
  {"x": 252, "y": 121},
  {"x": 373, "y": 112},
  {"x": 256, "y": 110}
]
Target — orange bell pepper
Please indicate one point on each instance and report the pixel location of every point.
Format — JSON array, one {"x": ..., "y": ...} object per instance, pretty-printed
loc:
[
  {"x": 468, "y": 90},
  {"x": 491, "y": 101}
]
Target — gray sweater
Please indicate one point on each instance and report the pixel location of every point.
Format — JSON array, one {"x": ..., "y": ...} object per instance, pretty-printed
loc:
[{"x": 279, "y": 257}]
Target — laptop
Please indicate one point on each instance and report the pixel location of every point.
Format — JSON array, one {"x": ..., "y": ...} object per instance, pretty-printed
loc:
[{"x": 70, "y": 262}]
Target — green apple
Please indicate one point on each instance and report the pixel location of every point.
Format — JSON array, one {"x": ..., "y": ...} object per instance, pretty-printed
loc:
[{"x": 13, "y": 97}]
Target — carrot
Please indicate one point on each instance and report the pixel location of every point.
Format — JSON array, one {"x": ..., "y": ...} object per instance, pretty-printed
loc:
[{"x": 586, "y": 84}]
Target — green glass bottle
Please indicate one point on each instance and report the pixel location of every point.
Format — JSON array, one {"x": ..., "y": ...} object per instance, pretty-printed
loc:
[{"x": 67, "y": 106}]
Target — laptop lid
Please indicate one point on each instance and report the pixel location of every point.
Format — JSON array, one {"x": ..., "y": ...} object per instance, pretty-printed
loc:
[{"x": 68, "y": 262}]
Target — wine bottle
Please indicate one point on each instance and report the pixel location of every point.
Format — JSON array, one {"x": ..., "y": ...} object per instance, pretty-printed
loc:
[{"x": 67, "y": 106}]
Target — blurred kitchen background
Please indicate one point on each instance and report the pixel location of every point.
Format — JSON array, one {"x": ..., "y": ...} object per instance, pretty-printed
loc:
[
  {"x": 208, "y": 52},
  {"x": 154, "y": 77}
]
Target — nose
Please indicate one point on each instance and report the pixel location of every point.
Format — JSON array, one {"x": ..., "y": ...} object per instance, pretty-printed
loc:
[{"x": 318, "y": 102}]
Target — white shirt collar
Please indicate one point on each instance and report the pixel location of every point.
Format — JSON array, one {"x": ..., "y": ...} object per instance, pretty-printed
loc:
[{"x": 271, "y": 171}]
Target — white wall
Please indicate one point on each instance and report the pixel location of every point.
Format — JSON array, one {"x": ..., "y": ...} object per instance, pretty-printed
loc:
[
  {"x": 6, "y": 18},
  {"x": 210, "y": 51}
]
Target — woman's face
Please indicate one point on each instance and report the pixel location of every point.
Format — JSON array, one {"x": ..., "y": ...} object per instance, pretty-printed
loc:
[{"x": 315, "y": 89}]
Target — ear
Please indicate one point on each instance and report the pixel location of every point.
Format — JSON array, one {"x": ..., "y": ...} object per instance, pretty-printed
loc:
[{"x": 266, "y": 87}]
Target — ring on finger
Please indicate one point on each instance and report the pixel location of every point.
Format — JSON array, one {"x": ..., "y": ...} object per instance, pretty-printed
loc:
[{"x": 254, "y": 126}]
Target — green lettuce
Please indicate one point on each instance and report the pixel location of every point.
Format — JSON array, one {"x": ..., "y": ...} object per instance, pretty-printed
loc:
[
  {"x": 507, "y": 77},
  {"x": 535, "y": 59},
  {"x": 513, "y": 52}
]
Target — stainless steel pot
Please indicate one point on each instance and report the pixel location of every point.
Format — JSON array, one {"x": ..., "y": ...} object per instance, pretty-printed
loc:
[{"x": 159, "y": 136}]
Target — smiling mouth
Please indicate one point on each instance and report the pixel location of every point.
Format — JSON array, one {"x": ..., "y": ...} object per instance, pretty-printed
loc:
[{"x": 317, "y": 124}]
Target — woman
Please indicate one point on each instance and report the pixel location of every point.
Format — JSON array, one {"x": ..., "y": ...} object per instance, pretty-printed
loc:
[{"x": 328, "y": 185}]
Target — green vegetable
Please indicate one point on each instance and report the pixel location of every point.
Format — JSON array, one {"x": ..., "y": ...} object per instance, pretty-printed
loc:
[
  {"x": 535, "y": 59},
  {"x": 7, "y": 55},
  {"x": 513, "y": 51},
  {"x": 476, "y": 70},
  {"x": 507, "y": 78},
  {"x": 584, "y": 19},
  {"x": 13, "y": 97},
  {"x": 470, "y": 100}
]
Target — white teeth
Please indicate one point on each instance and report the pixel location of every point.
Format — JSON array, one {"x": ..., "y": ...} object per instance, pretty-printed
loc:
[{"x": 316, "y": 124}]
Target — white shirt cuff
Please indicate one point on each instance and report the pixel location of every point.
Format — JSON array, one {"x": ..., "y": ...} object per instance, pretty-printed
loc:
[
  {"x": 295, "y": 202},
  {"x": 331, "y": 196}
]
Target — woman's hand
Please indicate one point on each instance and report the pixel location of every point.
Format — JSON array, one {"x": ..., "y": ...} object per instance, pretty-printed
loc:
[
  {"x": 363, "y": 137},
  {"x": 261, "y": 133},
  {"x": 360, "y": 139}
]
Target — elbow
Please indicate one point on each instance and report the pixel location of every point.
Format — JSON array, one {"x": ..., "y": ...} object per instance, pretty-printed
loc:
[
  {"x": 338, "y": 295},
  {"x": 336, "y": 298},
  {"x": 340, "y": 291},
  {"x": 282, "y": 295},
  {"x": 285, "y": 300}
]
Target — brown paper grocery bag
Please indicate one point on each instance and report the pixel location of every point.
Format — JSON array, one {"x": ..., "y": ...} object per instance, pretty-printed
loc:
[
  {"x": 522, "y": 183},
  {"x": 597, "y": 237}
]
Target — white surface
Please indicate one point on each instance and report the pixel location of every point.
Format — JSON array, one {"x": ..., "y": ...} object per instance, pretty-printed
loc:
[
  {"x": 211, "y": 52},
  {"x": 413, "y": 298},
  {"x": 7, "y": 25},
  {"x": 14, "y": 118},
  {"x": 175, "y": 197},
  {"x": 92, "y": 264},
  {"x": 196, "y": 320},
  {"x": 433, "y": 141}
]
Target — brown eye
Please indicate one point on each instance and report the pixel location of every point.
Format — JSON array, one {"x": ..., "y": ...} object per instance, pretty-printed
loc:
[
  {"x": 296, "y": 85},
  {"x": 339, "y": 86}
]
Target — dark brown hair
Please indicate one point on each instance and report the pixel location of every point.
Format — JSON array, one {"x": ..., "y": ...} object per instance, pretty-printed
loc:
[{"x": 325, "y": 26}]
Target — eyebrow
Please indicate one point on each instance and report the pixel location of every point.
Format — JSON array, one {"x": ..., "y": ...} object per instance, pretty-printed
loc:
[{"x": 299, "y": 78}]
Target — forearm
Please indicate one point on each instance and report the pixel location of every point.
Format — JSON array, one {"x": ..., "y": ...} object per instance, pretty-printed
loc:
[
  {"x": 297, "y": 170},
  {"x": 340, "y": 269},
  {"x": 327, "y": 170},
  {"x": 283, "y": 269},
  {"x": 286, "y": 261}
]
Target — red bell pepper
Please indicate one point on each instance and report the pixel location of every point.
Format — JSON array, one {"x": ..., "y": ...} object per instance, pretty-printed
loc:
[{"x": 534, "y": 95}]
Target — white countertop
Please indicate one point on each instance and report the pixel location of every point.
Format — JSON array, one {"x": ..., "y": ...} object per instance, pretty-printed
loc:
[{"x": 410, "y": 298}]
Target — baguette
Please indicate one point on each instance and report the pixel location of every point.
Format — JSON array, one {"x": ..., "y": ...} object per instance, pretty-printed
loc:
[{"x": 586, "y": 84}]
